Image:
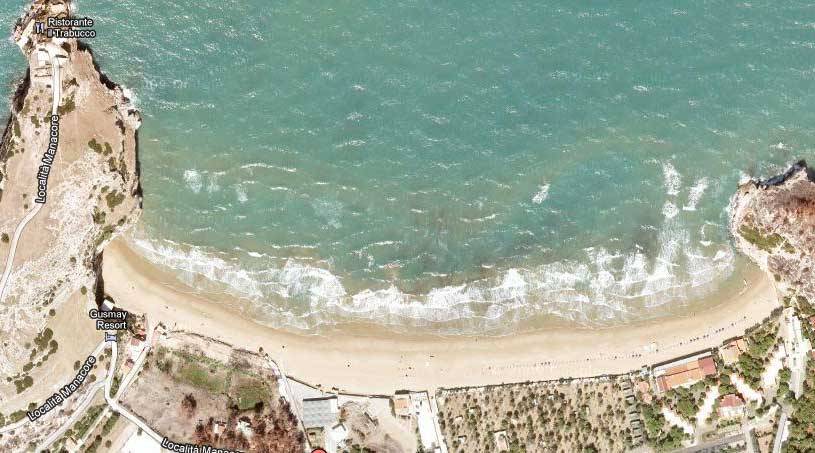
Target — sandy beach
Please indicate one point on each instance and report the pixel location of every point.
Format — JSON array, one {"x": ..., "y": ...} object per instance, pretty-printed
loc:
[{"x": 372, "y": 361}]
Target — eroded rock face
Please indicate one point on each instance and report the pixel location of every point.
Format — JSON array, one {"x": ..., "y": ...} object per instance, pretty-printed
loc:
[
  {"x": 773, "y": 223},
  {"x": 93, "y": 190}
]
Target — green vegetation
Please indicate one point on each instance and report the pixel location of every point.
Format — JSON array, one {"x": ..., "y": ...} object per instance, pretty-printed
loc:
[
  {"x": 686, "y": 401},
  {"x": 23, "y": 384},
  {"x": 754, "y": 236},
  {"x": 802, "y": 431},
  {"x": 107, "y": 232},
  {"x": 784, "y": 391},
  {"x": 249, "y": 393},
  {"x": 114, "y": 199},
  {"x": 751, "y": 364},
  {"x": 114, "y": 386},
  {"x": 16, "y": 416},
  {"x": 84, "y": 424},
  {"x": 95, "y": 146},
  {"x": 68, "y": 106},
  {"x": 655, "y": 429},
  {"x": 98, "y": 216},
  {"x": 109, "y": 424},
  {"x": 726, "y": 385},
  {"x": 194, "y": 374},
  {"x": 44, "y": 338},
  {"x": 4, "y": 237}
]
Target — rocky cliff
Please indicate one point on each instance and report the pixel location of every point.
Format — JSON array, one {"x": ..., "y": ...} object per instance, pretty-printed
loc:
[
  {"x": 51, "y": 237},
  {"x": 773, "y": 222}
]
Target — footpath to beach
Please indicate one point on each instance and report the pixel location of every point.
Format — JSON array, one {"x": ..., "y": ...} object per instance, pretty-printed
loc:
[{"x": 380, "y": 363}]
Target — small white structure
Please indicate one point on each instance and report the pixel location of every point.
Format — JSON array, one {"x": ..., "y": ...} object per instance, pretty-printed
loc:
[
  {"x": 429, "y": 435},
  {"x": 141, "y": 443},
  {"x": 501, "y": 440}
]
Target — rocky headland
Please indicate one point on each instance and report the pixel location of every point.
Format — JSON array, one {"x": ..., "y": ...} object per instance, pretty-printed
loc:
[
  {"x": 69, "y": 183},
  {"x": 773, "y": 223}
]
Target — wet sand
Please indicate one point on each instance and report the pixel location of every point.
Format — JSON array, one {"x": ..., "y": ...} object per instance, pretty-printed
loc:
[{"x": 369, "y": 359}]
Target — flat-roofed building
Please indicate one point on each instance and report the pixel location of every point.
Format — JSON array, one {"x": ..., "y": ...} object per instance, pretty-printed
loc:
[{"x": 320, "y": 412}]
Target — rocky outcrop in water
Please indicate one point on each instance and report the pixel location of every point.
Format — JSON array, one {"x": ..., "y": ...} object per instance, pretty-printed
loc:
[{"x": 773, "y": 222}]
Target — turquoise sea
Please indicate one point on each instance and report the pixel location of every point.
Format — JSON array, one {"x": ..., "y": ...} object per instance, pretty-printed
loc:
[{"x": 462, "y": 166}]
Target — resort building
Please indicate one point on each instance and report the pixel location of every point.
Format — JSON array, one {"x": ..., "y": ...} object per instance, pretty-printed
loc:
[
  {"x": 401, "y": 406},
  {"x": 321, "y": 421},
  {"x": 684, "y": 372},
  {"x": 731, "y": 406},
  {"x": 731, "y": 352}
]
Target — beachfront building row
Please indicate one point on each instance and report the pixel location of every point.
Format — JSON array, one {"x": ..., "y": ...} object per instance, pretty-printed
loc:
[{"x": 684, "y": 372}]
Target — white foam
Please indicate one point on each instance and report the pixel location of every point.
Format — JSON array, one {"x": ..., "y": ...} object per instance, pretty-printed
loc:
[
  {"x": 194, "y": 180},
  {"x": 695, "y": 194},
  {"x": 541, "y": 195},
  {"x": 669, "y": 210},
  {"x": 602, "y": 286},
  {"x": 240, "y": 192},
  {"x": 264, "y": 165},
  {"x": 673, "y": 180}
]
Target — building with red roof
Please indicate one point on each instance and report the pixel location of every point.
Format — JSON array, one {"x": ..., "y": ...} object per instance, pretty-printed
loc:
[
  {"x": 731, "y": 406},
  {"x": 684, "y": 372}
]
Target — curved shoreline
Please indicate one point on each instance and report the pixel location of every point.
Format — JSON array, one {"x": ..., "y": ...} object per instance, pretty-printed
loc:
[{"x": 367, "y": 359}]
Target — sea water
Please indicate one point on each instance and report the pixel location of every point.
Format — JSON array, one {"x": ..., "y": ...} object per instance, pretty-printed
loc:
[{"x": 459, "y": 166}]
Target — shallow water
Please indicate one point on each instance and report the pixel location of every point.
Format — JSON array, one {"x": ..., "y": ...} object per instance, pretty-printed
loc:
[{"x": 457, "y": 166}]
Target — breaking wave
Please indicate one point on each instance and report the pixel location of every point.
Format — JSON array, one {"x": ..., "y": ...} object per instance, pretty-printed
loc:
[{"x": 603, "y": 288}]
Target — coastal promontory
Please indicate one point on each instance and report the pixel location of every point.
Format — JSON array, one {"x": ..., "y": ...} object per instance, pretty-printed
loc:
[
  {"x": 69, "y": 183},
  {"x": 773, "y": 222}
]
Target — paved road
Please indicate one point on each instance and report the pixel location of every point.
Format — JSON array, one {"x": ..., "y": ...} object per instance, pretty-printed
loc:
[
  {"x": 78, "y": 412},
  {"x": 56, "y": 83},
  {"x": 128, "y": 379},
  {"x": 114, "y": 405},
  {"x": 781, "y": 433},
  {"x": 17, "y": 233},
  {"x": 715, "y": 445}
]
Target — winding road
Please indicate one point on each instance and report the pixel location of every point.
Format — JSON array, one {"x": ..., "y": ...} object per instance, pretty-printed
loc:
[
  {"x": 56, "y": 84},
  {"x": 112, "y": 401}
]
